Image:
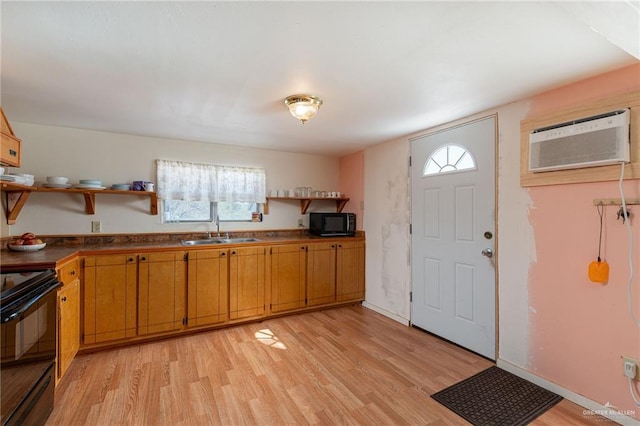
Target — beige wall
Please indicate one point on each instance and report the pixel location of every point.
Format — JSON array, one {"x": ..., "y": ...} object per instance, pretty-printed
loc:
[{"x": 116, "y": 158}]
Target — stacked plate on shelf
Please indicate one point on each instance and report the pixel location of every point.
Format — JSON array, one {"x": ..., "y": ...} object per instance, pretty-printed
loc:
[
  {"x": 56, "y": 182},
  {"x": 121, "y": 186},
  {"x": 89, "y": 184}
]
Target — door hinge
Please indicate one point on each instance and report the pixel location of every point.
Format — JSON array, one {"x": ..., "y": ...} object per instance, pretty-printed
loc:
[
  {"x": 186, "y": 257},
  {"x": 409, "y": 161},
  {"x": 410, "y": 229},
  {"x": 185, "y": 321},
  {"x": 410, "y": 296},
  {"x": 270, "y": 250}
]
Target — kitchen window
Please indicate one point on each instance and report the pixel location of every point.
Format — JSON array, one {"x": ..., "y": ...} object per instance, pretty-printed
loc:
[
  {"x": 194, "y": 192},
  {"x": 206, "y": 211}
]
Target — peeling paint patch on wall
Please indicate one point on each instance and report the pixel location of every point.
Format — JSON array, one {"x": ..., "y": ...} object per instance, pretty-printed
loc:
[{"x": 387, "y": 225}]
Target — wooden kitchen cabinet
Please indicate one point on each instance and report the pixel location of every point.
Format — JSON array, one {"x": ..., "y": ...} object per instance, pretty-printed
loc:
[
  {"x": 246, "y": 282},
  {"x": 288, "y": 277},
  {"x": 162, "y": 280},
  {"x": 110, "y": 297},
  {"x": 350, "y": 271},
  {"x": 208, "y": 287},
  {"x": 132, "y": 297},
  {"x": 321, "y": 273},
  {"x": 68, "y": 315},
  {"x": 10, "y": 145},
  {"x": 68, "y": 325}
]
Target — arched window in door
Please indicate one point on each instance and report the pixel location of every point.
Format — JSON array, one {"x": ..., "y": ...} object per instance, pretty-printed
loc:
[{"x": 449, "y": 159}]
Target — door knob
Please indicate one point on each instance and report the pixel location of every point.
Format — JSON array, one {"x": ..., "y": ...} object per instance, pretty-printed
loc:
[{"x": 487, "y": 252}]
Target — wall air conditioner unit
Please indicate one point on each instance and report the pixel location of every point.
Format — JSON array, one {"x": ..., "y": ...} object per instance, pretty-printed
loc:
[{"x": 592, "y": 141}]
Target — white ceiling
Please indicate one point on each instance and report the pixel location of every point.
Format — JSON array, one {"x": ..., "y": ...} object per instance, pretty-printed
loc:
[{"x": 219, "y": 71}]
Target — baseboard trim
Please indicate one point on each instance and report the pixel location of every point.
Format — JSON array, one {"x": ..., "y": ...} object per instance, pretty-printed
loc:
[
  {"x": 386, "y": 313},
  {"x": 591, "y": 407}
]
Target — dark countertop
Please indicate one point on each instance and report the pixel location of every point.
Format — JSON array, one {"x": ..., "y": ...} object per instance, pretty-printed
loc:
[{"x": 53, "y": 256}]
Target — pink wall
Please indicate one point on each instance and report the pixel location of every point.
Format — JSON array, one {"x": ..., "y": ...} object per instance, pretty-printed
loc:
[
  {"x": 352, "y": 184},
  {"x": 578, "y": 329}
]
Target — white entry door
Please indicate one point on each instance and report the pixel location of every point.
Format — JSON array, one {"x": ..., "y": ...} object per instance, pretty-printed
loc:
[{"x": 453, "y": 229}]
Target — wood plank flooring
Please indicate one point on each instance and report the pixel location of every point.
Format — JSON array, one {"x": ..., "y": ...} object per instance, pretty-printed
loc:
[{"x": 338, "y": 366}]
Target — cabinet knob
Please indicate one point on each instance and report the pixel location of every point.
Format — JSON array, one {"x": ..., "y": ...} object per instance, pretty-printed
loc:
[
  {"x": 64, "y": 298},
  {"x": 223, "y": 254},
  {"x": 130, "y": 259},
  {"x": 143, "y": 258},
  {"x": 233, "y": 252},
  {"x": 73, "y": 273}
]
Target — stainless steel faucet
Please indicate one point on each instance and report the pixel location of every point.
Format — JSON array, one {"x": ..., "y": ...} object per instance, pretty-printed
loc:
[{"x": 218, "y": 226}]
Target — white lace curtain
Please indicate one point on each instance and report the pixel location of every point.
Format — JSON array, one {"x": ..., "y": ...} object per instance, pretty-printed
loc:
[{"x": 179, "y": 180}]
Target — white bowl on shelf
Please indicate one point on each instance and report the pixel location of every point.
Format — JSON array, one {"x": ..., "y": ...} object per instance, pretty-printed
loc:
[{"x": 57, "y": 179}]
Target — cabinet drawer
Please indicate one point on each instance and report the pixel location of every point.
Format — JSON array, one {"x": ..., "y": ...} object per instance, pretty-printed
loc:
[
  {"x": 109, "y": 260},
  {"x": 69, "y": 271},
  {"x": 10, "y": 150}
]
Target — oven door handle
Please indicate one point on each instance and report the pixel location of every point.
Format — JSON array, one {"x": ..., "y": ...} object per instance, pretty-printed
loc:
[{"x": 12, "y": 313}]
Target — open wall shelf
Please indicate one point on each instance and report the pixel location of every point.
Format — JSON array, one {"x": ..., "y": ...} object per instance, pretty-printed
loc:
[
  {"x": 17, "y": 195},
  {"x": 305, "y": 202}
]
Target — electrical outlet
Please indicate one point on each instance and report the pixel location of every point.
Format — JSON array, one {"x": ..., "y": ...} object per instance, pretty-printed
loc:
[
  {"x": 96, "y": 226},
  {"x": 630, "y": 367}
]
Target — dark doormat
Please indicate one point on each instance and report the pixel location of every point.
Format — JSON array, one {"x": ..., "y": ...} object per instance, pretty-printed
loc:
[{"x": 497, "y": 397}]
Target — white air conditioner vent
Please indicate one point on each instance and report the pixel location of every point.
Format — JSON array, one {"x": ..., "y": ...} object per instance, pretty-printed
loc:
[{"x": 588, "y": 142}]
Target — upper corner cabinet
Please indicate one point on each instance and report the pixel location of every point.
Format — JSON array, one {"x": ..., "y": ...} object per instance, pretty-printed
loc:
[{"x": 9, "y": 144}]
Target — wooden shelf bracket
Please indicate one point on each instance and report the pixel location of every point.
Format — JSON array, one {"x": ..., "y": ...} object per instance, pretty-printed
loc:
[{"x": 15, "y": 203}]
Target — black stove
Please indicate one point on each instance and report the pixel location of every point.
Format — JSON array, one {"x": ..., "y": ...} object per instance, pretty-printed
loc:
[{"x": 28, "y": 312}]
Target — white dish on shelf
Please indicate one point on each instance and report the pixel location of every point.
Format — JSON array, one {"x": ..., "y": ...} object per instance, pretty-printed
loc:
[
  {"x": 94, "y": 182},
  {"x": 56, "y": 185},
  {"x": 121, "y": 186},
  {"x": 32, "y": 247},
  {"x": 7, "y": 178},
  {"x": 87, "y": 186},
  {"x": 57, "y": 179}
]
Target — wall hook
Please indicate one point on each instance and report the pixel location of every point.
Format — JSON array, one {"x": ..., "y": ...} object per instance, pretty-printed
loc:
[{"x": 623, "y": 214}]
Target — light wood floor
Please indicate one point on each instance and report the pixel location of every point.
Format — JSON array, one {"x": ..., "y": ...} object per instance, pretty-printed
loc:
[{"x": 338, "y": 366}]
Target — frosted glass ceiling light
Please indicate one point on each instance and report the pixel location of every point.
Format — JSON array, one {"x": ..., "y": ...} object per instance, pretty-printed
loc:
[{"x": 303, "y": 107}]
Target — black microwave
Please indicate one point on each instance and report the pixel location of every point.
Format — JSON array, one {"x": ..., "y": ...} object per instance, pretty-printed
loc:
[{"x": 332, "y": 224}]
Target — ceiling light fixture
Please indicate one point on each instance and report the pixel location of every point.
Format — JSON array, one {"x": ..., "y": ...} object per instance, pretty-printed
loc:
[{"x": 303, "y": 107}]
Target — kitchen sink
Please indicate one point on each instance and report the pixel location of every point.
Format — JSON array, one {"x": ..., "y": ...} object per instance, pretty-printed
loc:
[
  {"x": 209, "y": 241},
  {"x": 240, "y": 240}
]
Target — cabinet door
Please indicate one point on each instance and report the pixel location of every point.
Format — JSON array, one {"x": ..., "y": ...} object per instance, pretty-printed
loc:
[
  {"x": 208, "y": 287},
  {"x": 321, "y": 273},
  {"x": 288, "y": 277},
  {"x": 161, "y": 292},
  {"x": 246, "y": 282},
  {"x": 350, "y": 271},
  {"x": 68, "y": 325},
  {"x": 109, "y": 289}
]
